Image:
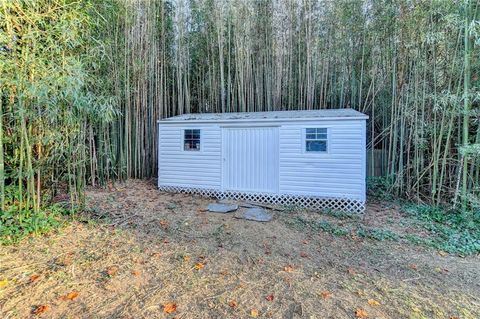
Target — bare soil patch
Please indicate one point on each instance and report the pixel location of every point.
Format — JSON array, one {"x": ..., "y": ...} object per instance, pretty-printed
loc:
[{"x": 138, "y": 252}]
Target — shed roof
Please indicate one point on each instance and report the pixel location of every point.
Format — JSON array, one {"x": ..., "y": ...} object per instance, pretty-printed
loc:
[{"x": 271, "y": 115}]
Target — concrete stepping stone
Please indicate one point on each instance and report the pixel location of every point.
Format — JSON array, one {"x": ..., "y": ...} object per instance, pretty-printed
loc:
[
  {"x": 257, "y": 214},
  {"x": 222, "y": 208}
]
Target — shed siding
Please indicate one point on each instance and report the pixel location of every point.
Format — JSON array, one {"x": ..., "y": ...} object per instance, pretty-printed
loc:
[
  {"x": 339, "y": 173},
  {"x": 177, "y": 167}
]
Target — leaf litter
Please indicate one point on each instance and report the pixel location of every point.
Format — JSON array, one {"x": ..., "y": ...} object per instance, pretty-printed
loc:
[{"x": 239, "y": 278}]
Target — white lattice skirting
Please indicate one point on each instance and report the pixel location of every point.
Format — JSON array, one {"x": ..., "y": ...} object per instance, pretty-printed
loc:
[{"x": 343, "y": 204}]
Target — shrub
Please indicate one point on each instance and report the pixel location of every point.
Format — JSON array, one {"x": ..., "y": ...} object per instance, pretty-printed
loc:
[{"x": 18, "y": 222}]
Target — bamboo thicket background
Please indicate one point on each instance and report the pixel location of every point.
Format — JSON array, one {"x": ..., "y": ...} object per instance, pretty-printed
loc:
[{"x": 83, "y": 83}]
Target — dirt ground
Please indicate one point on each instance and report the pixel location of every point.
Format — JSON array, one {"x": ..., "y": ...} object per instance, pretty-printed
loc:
[{"x": 138, "y": 252}]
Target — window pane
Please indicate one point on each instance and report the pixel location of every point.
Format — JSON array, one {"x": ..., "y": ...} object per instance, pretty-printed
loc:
[
  {"x": 322, "y": 136},
  {"x": 310, "y": 130},
  {"x": 191, "y": 141},
  {"x": 196, "y": 134},
  {"x": 322, "y": 130},
  {"x": 311, "y": 136},
  {"x": 316, "y": 146}
]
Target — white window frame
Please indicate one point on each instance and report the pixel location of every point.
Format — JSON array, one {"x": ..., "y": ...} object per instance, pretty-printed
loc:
[
  {"x": 304, "y": 140},
  {"x": 183, "y": 140}
]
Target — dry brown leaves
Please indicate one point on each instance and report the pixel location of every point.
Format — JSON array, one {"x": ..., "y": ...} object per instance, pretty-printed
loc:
[
  {"x": 288, "y": 268},
  {"x": 71, "y": 295},
  {"x": 361, "y": 313},
  {"x": 269, "y": 298},
  {"x": 136, "y": 273},
  {"x": 373, "y": 302},
  {"x": 325, "y": 294},
  {"x": 164, "y": 223},
  {"x": 254, "y": 313},
  {"x": 233, "y": 304},
  {"x": 199, "y": 266},
  {"x": 34, "y": 278},
  {"x": 40, "y": 309},
  {"x": 351, "y": 271},
  {"x": 169, "y": 307},
  {"x": 112, "y": 271}
]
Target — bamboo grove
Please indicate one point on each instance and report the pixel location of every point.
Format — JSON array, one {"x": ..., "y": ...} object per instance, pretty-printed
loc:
[{"x": 84, "y": 82}]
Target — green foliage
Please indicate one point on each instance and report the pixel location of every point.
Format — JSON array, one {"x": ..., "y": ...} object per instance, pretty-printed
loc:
[
  {"x": 322, "y": 225},
  {"x": 447, "y": 230},
  {"x": 451, "y": 230},
  {"x": 377, "y": 234},
  {"x": 83, "y": 82},
  {"x": 380, "y": 187},
  {"x": 18, "y": 222}
]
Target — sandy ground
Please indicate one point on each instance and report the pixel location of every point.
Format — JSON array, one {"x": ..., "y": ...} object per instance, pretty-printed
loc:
[{"x": 138, "y": 252}]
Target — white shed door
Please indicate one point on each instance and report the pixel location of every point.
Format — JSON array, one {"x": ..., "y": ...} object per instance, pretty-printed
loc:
[{"x": 250, "y": 159}]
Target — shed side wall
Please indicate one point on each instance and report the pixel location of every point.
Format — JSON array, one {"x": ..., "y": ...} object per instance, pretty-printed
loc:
[
  {"x": 180, "y": 168},
  {"x": 339, "y": 173}
]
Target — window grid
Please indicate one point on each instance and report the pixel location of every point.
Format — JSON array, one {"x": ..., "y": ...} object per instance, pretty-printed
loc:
[
  {"x": 191, "y": 140},
  {"x": 316, "y": 140}
]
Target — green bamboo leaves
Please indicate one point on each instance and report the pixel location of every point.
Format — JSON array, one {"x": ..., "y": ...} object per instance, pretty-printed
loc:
[{"x": 83, "y": 83}]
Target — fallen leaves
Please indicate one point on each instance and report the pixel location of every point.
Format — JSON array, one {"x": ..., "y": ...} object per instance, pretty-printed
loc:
[
  {"x": 136, "y": 273},
  {"x": 441, "y": 270},
  {"x": 71, "y": 295},
  {"x": 3, "y": 283},
  {"x": 233, "y": 304},
  {"x": 361, "y": 313},
  {"x": 254, "y": 313},
  {"x": 303, "y": 254},
  {"x": 170, "y": 307},
  {"x": 34, "y": 278},
  {"x": 112, "y": 271},
  {"x": 267, "y": 248},
  {"x": 164, "y": 223},
  {"x": 269, "y": 298},
  {"x": 325, "y": 294},
  {"x": 288, "y": 268},
  {"x": 40, "y": 309},
  {"x": 373, "y": 302},
  {"x": 199, "y": 266},
  {"x": 351, "y": 271},
  {"x": 413, "y": 267}
]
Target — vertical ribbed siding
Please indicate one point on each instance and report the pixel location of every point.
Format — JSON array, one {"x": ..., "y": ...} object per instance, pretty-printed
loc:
[{"x": 251, "y": 159}]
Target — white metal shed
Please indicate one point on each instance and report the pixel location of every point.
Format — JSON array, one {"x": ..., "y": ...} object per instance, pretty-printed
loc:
[{"x": 309, "y": 158}]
